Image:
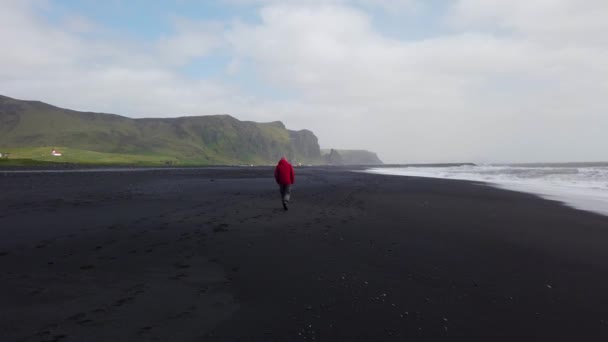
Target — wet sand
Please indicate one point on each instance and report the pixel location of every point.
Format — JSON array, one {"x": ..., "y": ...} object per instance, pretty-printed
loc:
[{"x": 210, "y": 255}]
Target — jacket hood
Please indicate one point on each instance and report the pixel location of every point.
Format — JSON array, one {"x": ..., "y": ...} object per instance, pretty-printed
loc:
[{"x": 283, "y": 161}]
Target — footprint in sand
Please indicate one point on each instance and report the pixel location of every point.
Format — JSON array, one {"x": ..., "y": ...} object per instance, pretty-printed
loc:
[
  {"x": 37, "y": 291},
  {"x": 78, "y": 316},
  {"x": 49, "y": 334},
  {"x": 185, "y": 313},
  {"x": 144, "y": 330},
  {"x": 85, "y": 322},
  {"x": 55, "y": 338},
  {"x": 181, "y": 265},
  {"x": 123, "y": 301},
  {"x": 110, "y": 242},
  {"x": 179, "y": 276},
  {"x": 223, "y": 227}
]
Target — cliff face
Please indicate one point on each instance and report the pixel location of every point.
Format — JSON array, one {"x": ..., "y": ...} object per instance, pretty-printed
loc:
[
  {"x": 32, "y": 127},
  {"x": 351, "y": 157},
  {"x": 333, "y": 158},
  {"x": 359, "y": 157},
  {"x": 215, "y": 139},
  {"x": 305, "y": 146}
]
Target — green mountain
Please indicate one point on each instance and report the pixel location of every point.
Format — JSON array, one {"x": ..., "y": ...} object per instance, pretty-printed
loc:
[{"x": 30, "y": 129}]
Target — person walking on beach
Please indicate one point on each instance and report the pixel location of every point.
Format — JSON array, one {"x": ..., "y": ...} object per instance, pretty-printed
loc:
[{"x": 285, "y": 177}]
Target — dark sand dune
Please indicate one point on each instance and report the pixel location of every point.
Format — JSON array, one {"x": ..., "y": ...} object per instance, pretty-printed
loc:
[{"x": 208, "y": 255}]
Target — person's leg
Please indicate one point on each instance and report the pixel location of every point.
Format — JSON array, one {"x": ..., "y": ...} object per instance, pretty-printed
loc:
[
  {"x": 282, "y": 189},
  {"x": 285, "y": 195}
]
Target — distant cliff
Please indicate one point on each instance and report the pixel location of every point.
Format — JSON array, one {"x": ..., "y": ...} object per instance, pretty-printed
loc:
[
  {"x": 29, "y": 129},
  {"x": 305, "y": 146},
  {"x": 351, "y": 157}
]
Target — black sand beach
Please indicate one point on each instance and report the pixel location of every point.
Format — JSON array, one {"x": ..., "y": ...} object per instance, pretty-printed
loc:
[{"x": 209, "y": 255}]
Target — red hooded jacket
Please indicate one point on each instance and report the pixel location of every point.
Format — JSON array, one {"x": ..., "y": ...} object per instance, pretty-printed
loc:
[{"x": 283, "y": 173}]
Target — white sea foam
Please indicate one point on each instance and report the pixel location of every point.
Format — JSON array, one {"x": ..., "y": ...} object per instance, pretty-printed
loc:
[{"x": 582, "y": 186}]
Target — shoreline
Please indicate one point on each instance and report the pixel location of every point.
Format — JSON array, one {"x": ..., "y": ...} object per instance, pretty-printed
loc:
[
  {"x": 582, "y": 198},
  {"x": 208, "y": 254}
]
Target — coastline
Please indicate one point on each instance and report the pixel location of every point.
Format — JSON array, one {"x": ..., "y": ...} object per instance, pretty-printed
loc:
[
  {"x": 590, "y": 199},
  {"x": 207, "y": 254}
]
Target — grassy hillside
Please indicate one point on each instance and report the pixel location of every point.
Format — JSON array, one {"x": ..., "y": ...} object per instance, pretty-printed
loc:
[
  {"x": 72, "y": 155},
  {"x": 25, "y": 162},
  {"x": 30, "y": 129}
]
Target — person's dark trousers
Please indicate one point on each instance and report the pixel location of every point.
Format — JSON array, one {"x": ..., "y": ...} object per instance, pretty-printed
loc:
[{"x": 285, "y": 194}]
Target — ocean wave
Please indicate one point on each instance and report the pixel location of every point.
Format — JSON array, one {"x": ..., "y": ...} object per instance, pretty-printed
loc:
[{"x": 583, "y": 186}]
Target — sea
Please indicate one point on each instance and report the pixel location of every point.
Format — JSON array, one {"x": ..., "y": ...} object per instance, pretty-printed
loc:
[{"x": 582, "y": 186}]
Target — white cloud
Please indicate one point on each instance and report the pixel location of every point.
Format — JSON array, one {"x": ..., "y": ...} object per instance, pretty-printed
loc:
[
  {"x": 234, "y": 67},
  {"x": 502, "y": 81},
  {"x": 469, "y": 94},
  {"x": 537, "y": 18},
  {"x": 191, "y": 40},
  {"x": 54, "y": 64},
  {"x": 80, "y": 24}
]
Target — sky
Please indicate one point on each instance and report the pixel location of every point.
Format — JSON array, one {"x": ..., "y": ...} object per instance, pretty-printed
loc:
[{"x": 413, "y": 80}]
